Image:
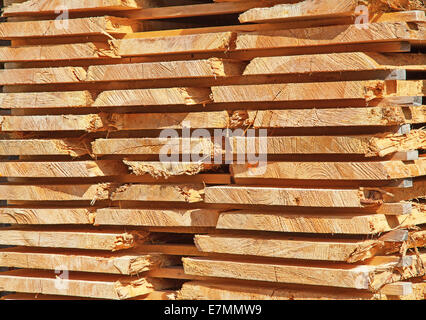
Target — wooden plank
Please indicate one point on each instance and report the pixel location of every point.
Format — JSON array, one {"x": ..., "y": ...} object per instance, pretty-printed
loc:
[
  {"x": 62, "y": 169},
  {"x": 378, "y": 145},
  {"x": 368, "y": 145},
  {"x": 87, "y": 122},
  {"x": 309, "y": 9},
  {"x": 397, "y": 209},
  {"x": 369, "y": 278},
  {"x": 147, "y": 97},
  {"x": 193, "y": 43},
  {"x": 150, "y": 146},
  {"x": 333, "y": 117},
  {"x": 207, "y": 178},
  {"x": 387, "y": 146},
  {"x": 131, "y": 262},
  {"x": 42, "y": 76},
  {"x": 55, "y": 192},
  {"x": 385, "y": 170},
  {"x": 406, "y": 156},
  {"x": 74, "y": 27},
  {"x": 81, "y": 285},
  {"x": 362, "y": 90},
  {"x": 398, "y": 289},
  {"x": 40, "y": 297},
  {"x": 397, "y": 195},
  {"x": 298, "y": 197},
  {"x": 34, "y": 7},
  {"x": 330, "y": 35},
  {"x": 158, "y": 121},
  {"x": 416, "y": 14},
  {"x": 291, "y": 247},
  {"x": 55, "y": 216},
  {"x": 155, "y": 295},
  {"x": 172, "y": 249},
  {"x": 95, "y": 239},
  {"x": 166, "y": 170},
  {"x": 187, "y": 193},
  {"x": 75, "y": 99},
  {"x": 398, "y": 235},
  {"x": 157, "y": 217},
  {"x": 318, "y": 223},
  {"x": 52, "y": 147},
  {"x": 59, "y": 52},
  {"x": 334, "y": 62},
  {"x": 206, "y": 68},
  {"x": 419, "y": 291},
  {"x": 240, "y": 290},
  {"x": 196, "y": 10}
]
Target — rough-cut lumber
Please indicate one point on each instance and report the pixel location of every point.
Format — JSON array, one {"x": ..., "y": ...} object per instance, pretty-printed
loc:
[
  {"x": 75, "y": 51},
  {"x": 208, "y": 68},
  {"x": 364, "y": 90},
  {"x": 70, "y": 27},
  {"x": 324, "y": 9},
  {"x": 172, "y": 249},
  {"x": 345, "y": 117},
  {"x": 204, "y": 290},
  {"x": 55, "y": 192},
  {"x": 244, "y": 290},
  {"x": 334, "y": 62},
  {"x": 306, "y": 9},
  {"x": 147, "y": 97},
  {"x": 369, "y": 145},
  {"x": 35, "y": 7},
  {"x": 417, "y": 191},
  {"x": 193, "y": 43},
  {"x": 334, "y": 170},
  {"x": 358, "y": 277},
  {"x": 167, "y": 169},
  {"x": 85, "y": 285},
  {"x": 39, "y": 297},
  {"x": 397, "y": 209},
  {"x": 318, "y": 223},
  {"x": 153, "y": 146},
  {"x": 397, "y": 235},
  {"x": 197, "y": 10},
  {"x": 205, "y": 178},
  {"x": 150, "y": 121},
  {"x": 63, "y": 169},
  {"x": 53, "y": 147},
  {"x": 156, "y": 217},
  {"x": 331, "y": 35},
  {"x": 56, "y": 216},
  {"x": 419, "y": 291},
  {"x": 189, "y": 193},
  {"x": 162, "y": 295},
  {"x": 337, "y": 198},
  {"x": 135, "y": 9},
  {"x": 290, "y": 247},
  {"x": 86, "y": 122},
  {"x": 388, "y": 145},
  {"x": 41, "y": 100},
  {"x": 131, "y": 262},
  {"x": 401, "y": 16},
  {"x": 42, "y": 76},
  {"x": 398, "y": 289},
  {"x": 97, "y": 239}
]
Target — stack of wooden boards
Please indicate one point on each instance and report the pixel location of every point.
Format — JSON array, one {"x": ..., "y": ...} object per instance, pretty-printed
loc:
[{"x": 337, "y": 212}]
